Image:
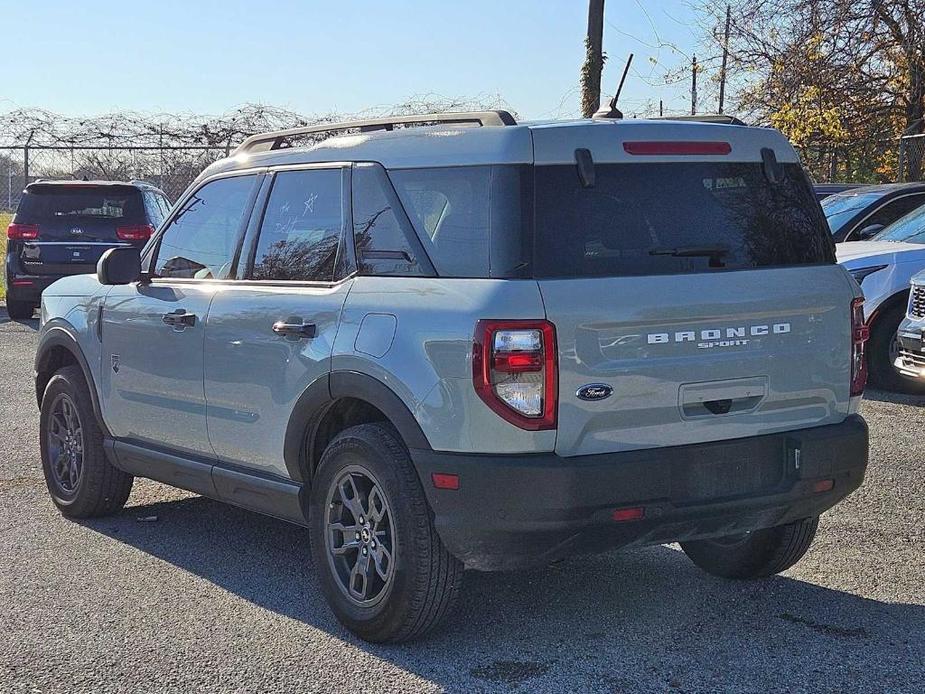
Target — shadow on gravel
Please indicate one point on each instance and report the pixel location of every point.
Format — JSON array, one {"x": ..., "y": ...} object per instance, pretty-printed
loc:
[
  {"x": 32, "y": 323},
  {"x": 895, "y": 398},
  {"x": 635, "y": 620}
]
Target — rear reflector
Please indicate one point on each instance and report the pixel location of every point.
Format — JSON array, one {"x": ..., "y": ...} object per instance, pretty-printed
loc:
[
  {"x": 628, "y": 514},
  {"x": 135, "y": 232},
  {"x": 445, "y": 480},
  {"x": 682, "y": 148},
  {"x": 823, "y": 486},
  {"x": 22, "y": 232},
  {"x": 22, "y": 283}
]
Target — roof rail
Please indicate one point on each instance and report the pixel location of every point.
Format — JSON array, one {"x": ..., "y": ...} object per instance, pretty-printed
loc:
[
  {"x": 719, "y": 118},
  {"x": 280, "y": 138}
]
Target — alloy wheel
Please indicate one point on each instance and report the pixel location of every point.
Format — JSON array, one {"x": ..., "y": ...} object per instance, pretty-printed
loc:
[
  {"x": 65, "y": 444},
  {"x": 359, "y": 536}
]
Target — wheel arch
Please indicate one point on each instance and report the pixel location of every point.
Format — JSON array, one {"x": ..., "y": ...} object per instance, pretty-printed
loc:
[
  {"x": 57, "y": 348},
  {"x": 900, "y": 297},
  {"x": 335, "y": 402}
]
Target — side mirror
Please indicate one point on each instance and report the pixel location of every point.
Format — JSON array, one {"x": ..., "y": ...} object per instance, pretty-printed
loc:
[
  {"x": 119, "y": 266},
  {"x": 870, "y": 231}
]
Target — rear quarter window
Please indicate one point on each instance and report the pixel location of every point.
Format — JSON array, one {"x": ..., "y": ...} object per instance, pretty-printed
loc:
[{"x": 674, "y": 218}]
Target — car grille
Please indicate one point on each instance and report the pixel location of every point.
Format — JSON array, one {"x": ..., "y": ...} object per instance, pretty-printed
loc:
[
  {"x": 917, "y": 302},
  {"x": 912, "y": 359}
]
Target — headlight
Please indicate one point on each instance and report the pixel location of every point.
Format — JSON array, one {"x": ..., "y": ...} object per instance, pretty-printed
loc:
[{"x": 863, "y": 272}]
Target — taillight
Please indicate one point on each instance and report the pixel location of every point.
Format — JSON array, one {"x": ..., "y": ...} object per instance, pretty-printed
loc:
[
  {"x": 514, "y": 371},
  {"x": 22, "y": 232},
  {"x": 135, "y": 232},
  {"x": 860, "y": 332}
]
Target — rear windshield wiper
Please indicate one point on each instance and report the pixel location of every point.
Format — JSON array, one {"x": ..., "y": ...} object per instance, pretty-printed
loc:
[{"x": 714, "y": 253}]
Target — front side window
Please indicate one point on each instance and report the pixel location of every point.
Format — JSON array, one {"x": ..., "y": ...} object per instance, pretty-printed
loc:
[
  {"x": 201, "y": 241},
  {"x": 908, "y": 229},
  {"x": 301, "y": 237}
]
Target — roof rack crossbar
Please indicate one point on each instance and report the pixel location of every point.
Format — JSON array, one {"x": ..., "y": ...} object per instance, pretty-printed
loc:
[{"x": 279, "y": 138}]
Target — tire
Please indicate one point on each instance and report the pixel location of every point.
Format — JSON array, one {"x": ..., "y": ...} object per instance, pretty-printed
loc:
[
  {"x": 81, "y": 481},
  {"x": 757, "y": 554},
  {"x": 19, "y": 310},
  {"x": 881, "y": 354},
  {"x": 411, "y": 582}
]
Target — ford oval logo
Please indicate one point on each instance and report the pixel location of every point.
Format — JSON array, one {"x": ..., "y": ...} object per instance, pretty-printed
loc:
[{"x": 594, "y": 391}]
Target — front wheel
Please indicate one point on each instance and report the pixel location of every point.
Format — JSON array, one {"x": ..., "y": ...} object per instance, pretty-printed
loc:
[
  {"x": 81, "y": 481},
  {"x": 382, "y": 567},
  {"x": 883, "y": 350},
  {"x": 755, "y": 554}
]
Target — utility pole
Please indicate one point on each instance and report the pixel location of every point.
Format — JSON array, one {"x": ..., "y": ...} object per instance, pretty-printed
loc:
[
  {"x": 594, "y": 60},
  {"x": 661, "y": 108},
  {"x": 722, "y": 70},
  {"x": 694, "y": 86}
]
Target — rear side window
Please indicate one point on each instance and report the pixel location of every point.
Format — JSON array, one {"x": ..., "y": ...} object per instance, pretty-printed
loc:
[
  {"x": 380, "y": 228},
  {"x": 202, "y": 239},
  {"x": 302, "y": 232},
  {"x": 470, "y": 219},
  {"x": 47, "y": 203},
  {"x": 674, "y": 218}
]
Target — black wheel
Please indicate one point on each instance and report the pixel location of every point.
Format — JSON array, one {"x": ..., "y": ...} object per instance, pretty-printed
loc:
[
  {"x": 882, "y": 351},
  {"x": 80, "y": 479},
  {"x": 756, "y": 554},
  {"x": 381, "y": 565},
  {"x": 19, "y": 310}
]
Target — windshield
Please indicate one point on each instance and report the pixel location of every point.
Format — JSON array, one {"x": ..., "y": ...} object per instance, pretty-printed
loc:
[
  {"x": 908, "y": 229},
  {"x": 673, "y": 218},
  {"x": 842, "y": 207}
]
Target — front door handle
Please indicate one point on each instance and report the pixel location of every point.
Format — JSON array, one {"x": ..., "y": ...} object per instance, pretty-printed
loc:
[
  {"x": 300, "y": 330},
  {"x": 179, "y": 319}
]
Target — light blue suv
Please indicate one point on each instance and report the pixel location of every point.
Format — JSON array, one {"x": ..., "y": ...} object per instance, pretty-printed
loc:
[{"x": 455, "y": 341}]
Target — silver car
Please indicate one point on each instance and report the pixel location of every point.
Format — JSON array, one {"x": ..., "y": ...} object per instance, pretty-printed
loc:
[{"x": 455, "y": 342}]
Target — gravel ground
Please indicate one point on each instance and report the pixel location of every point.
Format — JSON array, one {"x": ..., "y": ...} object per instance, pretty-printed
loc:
[{"x": 212, "y": 598}]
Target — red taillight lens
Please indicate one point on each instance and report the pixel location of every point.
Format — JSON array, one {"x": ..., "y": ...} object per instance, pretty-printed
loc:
[
  {"x": 676, "y": 148},
  {"x": 135, "y": 232},
  {"x": 514, "y": 371},
  {"x": 860, "y": 332},
  {"x": 22, "y": 232}
]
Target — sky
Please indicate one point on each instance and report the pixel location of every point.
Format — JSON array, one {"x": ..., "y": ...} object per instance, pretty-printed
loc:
[{"x": 339, "y": 56}]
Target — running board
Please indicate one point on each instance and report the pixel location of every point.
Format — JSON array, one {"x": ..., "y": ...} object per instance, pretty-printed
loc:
[{"x": 272, "y": 496}]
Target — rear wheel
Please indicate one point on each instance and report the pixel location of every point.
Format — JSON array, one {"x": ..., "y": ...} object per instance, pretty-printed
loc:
[
  {"x": 755, "y": 554},
  {"x": 20, "y": 310},
  {"x": 883, "y": 350},
  {"x": 381, "y": 565},
  {"x": 80, "y": 479}
]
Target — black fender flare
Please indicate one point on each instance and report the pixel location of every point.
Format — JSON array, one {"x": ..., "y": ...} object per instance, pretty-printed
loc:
[
  {"x": 318, "y": 397},
  {"x": 57, "y": 335}
]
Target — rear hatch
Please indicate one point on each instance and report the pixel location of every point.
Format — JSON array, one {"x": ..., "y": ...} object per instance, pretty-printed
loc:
[
  {"x": 698, "y": 284},
  {"x": 76, "y": 224}
]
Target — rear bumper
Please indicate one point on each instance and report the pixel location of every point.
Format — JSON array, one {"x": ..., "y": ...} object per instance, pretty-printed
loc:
[
  {"x": 911, "y": 360},
  {"x": 516, "y": 511},
  {"x": 29, "y": 287}
]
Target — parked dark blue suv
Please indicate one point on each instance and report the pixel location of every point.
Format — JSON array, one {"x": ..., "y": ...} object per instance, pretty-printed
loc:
[{"x": 63, "y": 227}]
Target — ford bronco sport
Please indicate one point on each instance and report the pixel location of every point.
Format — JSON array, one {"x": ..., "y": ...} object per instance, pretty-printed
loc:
[
  {"x": 456, "y": 341},
  {"x": 63, "y": 227}
]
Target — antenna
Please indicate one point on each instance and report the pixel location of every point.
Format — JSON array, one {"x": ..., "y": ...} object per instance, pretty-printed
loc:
[{"x": 612, "y": 111}]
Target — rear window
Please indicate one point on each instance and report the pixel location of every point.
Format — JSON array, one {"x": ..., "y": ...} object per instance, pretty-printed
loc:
[
  {"x": 674, "y": 218},
  {"x": 71, "y": 203}
]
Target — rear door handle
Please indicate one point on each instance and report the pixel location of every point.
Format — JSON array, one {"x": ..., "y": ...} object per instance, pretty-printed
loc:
[
  {"x": 179, "y": 318},
  {"x": 302, "y": 331}
]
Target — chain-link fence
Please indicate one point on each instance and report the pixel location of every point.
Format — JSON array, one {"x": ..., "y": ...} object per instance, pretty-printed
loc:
[
  {"x": 911, "y": 157},
  {"x": 169, "y": 168}
]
